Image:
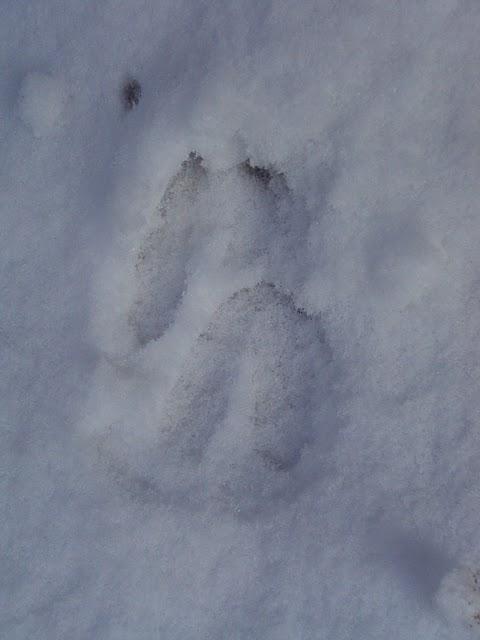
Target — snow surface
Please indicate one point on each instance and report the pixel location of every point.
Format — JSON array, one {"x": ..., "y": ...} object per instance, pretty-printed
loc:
[
  {"x": 240, "y": 319},
  {"x": 42, "y": 102}
]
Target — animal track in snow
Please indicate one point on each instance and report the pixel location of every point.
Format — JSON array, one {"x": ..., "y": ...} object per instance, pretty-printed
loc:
[
  {"x": 251, "y": 399},
  {"x": 162, "y": 260},
  {"x": 249, "y": 412},
  {"x": 223, "y": 221}
]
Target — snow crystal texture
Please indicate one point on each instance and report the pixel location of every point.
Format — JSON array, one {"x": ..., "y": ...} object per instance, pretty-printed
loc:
[{"x": 239, "y": 329}]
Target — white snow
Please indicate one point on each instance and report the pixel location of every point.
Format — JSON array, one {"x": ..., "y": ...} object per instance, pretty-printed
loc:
[
  {"x": 239, "y": 322},
  {"x": 42, "y": 102},
  {"x": 459, "y": 598}
]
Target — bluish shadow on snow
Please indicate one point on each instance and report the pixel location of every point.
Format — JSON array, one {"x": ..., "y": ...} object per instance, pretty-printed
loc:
[{"x": 417, "y": 565}]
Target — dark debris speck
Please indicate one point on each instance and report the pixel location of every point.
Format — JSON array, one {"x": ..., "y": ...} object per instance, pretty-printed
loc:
[
  {"x": 262, "y": 174},
  {"x": 131, "y": 93}
]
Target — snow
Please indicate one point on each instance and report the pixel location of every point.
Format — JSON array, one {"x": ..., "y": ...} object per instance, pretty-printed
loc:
[
  {"x": 459, "y": 597},
  {"x": 42, "y": 102},
  {"x": 239, "y": 328}
]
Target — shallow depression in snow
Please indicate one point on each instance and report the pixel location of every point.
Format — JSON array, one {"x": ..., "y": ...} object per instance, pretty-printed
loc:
[
  {"x": 239, "y": 392},
  {"x": 249, "y": 414}
]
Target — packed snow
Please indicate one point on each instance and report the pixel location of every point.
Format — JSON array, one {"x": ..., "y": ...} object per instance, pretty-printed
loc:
[
  {"x": 42, "y": 102},
  {"x": 239, "y": 327}
]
